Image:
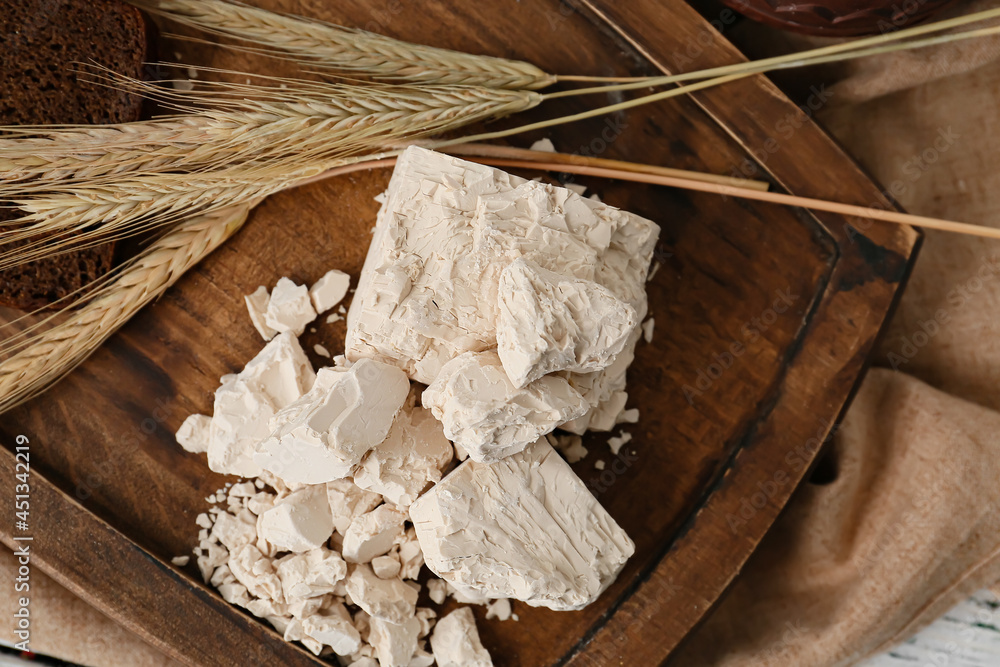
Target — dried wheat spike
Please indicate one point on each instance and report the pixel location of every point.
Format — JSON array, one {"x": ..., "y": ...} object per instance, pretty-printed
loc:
[
  {"x": 320, "y": 44},
  {"x": 54, "y": 353}
]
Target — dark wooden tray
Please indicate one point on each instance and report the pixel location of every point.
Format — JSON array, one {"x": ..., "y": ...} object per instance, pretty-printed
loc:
[{"x": 764, "y": 317}]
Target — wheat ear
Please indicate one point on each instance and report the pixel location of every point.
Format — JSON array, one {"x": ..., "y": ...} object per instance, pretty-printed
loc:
[
  {"x": 329, "y": 120},
  {"x": 327, "y": 45},
  {"x": 57, "y": 351},
  {"x": 281, "y": 142},
  {"x": 307, "y": 120}
]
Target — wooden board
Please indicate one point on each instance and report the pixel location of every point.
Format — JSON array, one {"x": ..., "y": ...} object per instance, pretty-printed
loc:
[{"x": 764, "y": 317}]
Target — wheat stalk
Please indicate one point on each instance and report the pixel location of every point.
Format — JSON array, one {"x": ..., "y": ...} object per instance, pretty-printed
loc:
[
  {"x": 57, "y": 351},
  {"x": 92, "y": 155},
  {"x": 861, "y": 48},
  {"x": 336, "y": 47},
  {"x": 276, "y": 140},
  {"x": 306, "y": 120},
  {"x": 316, "y": 43},
  {"x": 93, "y": 214},
  {"x": 83, "y": 181},
  {"x": 280, "y": 135},
  {"x": 203, "y": 141}
]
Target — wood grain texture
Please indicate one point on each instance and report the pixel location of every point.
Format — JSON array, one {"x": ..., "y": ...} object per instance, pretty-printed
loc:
[
  {"x": 763, "y": 314},
  {"x": 154, "y": 600},
  {"x": 834, "y": 342}
]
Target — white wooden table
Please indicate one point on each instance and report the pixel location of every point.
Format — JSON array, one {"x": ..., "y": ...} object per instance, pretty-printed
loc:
[{"x": 967, "y": 636}]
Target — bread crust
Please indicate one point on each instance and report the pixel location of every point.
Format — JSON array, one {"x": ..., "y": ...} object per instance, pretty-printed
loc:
[{"x": 39, "y": 39}]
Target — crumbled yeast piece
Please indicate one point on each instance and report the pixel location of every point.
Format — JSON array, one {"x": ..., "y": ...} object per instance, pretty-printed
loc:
[
  {"x": 311, "y": 574},
  {"x": 242, "y": 490},
  {"x": 410, "y": 556},
  {"x": 421, "y": 659},
  {"x": 455, "y": 641},
  {"x": 569, "y": 445},
  {"x": 195, "y": 433},
  {"x": 281, "y": 488},
  {"x": 290, "y": 308},
  {"x": 329, "y": 290},
  {"x": 499, "y": 609},
  {"x": 411, "y": 458},
  {"x": 652, "y": 271},
  {"x": 438, "y": 590},
  {"x": 394, "y": 643},
  {"x": 362, "y": 621},
  {"x": 544, "y": 145},
  {"x": 647, "y": 330},
  {"x": 299, "y": 522},
  {"x": 365, "y": 661},
  {"x": 465, "y": 595},
  {"x": 323, "y": 435},
  {"x": 257, "y": 307},
  {"x": 180, "y": 561},
  {"x": 348, "y": 501},
  {"x": 252, "y": 569},
  {"x": 373, "y": 534},
  {"x": 604, "y": 391},
  {"x": 295, "y": 632},
  {"x": 427, "y": 618},
  {"x": 263, "y": 608},
  {"x": 302, "y": 608},
  {"x": 525, "y": 528},
  {"x": 277, "y": 376},
  {"x": 630, "y": 416},
  {"x": 449, "y": 227},
  {"x": 550, "y": 322},
  {"x": 334, "y": 628},
  {"x": 490, "y": 418},
  {"x": 386, "y": 567},
  {"x": 388, "y": 599},
  {"x": 212, "y": 557},
  {"x": 234, "y": 531},
  {"x": 617, "y": 442}
]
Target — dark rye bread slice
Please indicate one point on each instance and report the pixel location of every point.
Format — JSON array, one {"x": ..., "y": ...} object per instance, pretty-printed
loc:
[{"x": 39, "y": 42}]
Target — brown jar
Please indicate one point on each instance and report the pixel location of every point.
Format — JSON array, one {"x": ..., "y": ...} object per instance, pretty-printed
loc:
[{"x": 841, "y": 18}]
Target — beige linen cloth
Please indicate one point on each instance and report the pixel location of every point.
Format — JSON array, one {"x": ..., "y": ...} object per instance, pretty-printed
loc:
[{"x": 910, "y": 525}]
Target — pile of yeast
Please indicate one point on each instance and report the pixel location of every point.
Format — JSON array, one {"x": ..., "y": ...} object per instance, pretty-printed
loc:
[{"x": 519, "y": 305}]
